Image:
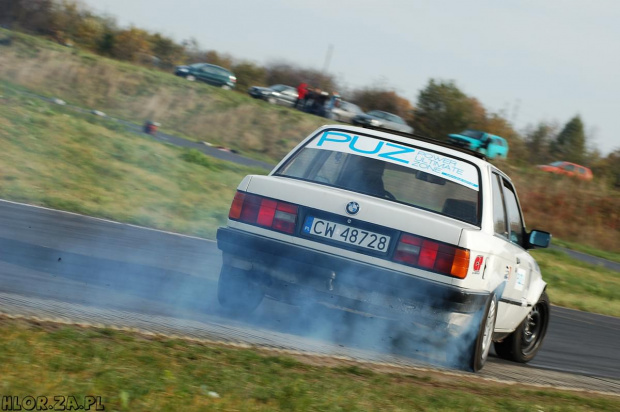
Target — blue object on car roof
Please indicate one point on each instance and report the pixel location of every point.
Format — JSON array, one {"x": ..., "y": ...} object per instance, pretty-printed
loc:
[{"x": 488, "y": 144}]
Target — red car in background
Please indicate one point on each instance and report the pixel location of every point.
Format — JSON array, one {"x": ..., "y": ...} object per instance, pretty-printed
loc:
[{"x": 568, "y": 169}]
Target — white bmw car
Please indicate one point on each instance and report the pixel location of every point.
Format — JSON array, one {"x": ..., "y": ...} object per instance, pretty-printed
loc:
[{"x": 384, "y": 223}]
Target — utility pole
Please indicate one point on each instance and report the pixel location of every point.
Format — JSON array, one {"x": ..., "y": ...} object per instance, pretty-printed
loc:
[{"x": 328, "y": 57}]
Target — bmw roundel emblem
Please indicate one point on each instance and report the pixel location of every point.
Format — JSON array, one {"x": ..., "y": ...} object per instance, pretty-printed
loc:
[{"x": 353, "y": 208}]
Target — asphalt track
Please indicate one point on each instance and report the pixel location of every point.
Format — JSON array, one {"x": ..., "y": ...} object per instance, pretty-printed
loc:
[{"x": 78, "y": 269}]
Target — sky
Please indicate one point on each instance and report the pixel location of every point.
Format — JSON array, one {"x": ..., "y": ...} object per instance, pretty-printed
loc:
[{"x": 528, "y": 60}]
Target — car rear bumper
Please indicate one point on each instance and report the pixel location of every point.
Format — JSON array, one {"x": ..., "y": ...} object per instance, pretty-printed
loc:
[{"x": 290, "y": 272}]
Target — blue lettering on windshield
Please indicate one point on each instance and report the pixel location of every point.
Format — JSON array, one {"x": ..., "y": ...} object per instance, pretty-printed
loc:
[
  {"x": 377, "y": 148},
  {"x": 324, "y": 138},
  {"x": 373, "y": 147},
  {"x": 380, "y": 149},
  {"x": 402, "y": 150}
]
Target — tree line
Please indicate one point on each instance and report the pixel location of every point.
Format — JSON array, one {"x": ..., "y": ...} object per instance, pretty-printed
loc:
[{"x": 441, "y": 107}]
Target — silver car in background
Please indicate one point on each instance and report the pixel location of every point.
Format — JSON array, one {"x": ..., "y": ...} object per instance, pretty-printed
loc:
[
  {"x": 345, "y": 112},
  {"x": 377, "y": 119},
  {"x": 276, "y": 94}
]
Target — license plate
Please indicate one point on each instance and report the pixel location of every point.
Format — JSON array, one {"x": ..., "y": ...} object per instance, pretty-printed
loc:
[{"x": 346, "y": 234}]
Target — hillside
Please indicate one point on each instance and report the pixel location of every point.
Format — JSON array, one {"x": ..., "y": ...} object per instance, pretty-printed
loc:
[
  {"x": 194, "y": 110},
  {"x": 587, "y": 213}
]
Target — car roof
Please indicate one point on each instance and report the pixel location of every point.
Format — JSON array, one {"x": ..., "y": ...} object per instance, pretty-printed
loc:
[
  {"x": 209, "y": 64},
  {"x": 381, "y": 111},
  {"x": 570, "y": 163}
]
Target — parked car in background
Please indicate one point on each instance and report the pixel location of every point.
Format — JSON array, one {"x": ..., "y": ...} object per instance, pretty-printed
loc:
[
  {"x": 276, "y": 94},
  {"x": 401, "y": 227},
  {"x": 568, "y": 169},
  {"x": 490, "y": 145},
  {"x": 378, "y": 119},
  {"x": 208, "y": 73},
  {"x": 345, "y": 112}
]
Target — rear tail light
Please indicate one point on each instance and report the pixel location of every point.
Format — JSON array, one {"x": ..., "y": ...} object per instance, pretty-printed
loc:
[
  {"x": 434, "y": 256},
  {"x": 233, "y": 79},
  {"x": 257, "y": 210}
]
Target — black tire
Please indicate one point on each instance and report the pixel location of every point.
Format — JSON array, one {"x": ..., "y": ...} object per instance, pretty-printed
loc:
[
  {"x": 485, "y": 335},
  {"x": 236, "y": 291},
  {"x": 475, "y": 343},
  {"x": 523, "y": 344}
]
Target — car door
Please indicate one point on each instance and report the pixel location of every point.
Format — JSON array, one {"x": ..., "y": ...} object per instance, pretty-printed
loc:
[
  {"x": 391, "y": 122},
  {"x": 569, "y": 169},
  {"x": 288, "y": 96},
  {"x": 512, "y": 260},
  {"x": 208, "y": 75}
]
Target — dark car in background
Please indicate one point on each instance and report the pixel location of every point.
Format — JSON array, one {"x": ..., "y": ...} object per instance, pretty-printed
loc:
[
  {"x": 276, "y": 94},
  {"x": 378, "y": 119},
  {"x": 208, "y": 73},
  {"x": 345, "y": 112}
]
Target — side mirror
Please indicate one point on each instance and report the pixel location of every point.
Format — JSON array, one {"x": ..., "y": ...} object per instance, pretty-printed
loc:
[{"x": 539, "y": 238}]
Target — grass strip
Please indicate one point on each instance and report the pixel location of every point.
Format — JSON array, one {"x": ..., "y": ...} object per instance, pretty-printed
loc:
[
  {"x": 579, "y": 285},
  {"x": 133, "y": 372},
  {"x": 590, "y": 250}
]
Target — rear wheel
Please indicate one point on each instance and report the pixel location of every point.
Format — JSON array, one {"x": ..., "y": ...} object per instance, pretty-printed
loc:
[
  {"x": 476, "y": 351},
  {"x": 523, "y": 344},
  {"x": 237, "y": 292},
  {"x": 483, "y": 340},
  {"x": 226, "y": 87}
]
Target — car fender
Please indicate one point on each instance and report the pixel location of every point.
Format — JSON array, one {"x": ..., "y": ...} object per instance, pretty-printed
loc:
[
  {"x": 245, "y": 183},
  {"x": 537, "y": 287}
]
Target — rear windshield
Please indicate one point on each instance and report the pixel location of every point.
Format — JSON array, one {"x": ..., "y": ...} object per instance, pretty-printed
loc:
[{"x": 389, "y": 170}]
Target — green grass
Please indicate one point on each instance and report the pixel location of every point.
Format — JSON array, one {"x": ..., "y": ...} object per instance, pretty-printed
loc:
[
  {"x": 54, "y": 157},
  {"x": 578, "y": 285},
  {"x": 138, "y": 373},
  {"x": 590, "y": 250}
]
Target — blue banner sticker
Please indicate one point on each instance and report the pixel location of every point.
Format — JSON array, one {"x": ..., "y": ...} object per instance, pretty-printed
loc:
[{"x": 449, "y": 168}]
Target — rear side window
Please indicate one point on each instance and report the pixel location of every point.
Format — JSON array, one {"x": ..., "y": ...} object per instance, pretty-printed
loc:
[
  {"x": 499, "y": 213},
  {"x": 389, "y": 170},
  {"x": 515, "y": 222}
]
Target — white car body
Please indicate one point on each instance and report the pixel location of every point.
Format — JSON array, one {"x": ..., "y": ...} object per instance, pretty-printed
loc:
[{"x": 497, "y": 268}]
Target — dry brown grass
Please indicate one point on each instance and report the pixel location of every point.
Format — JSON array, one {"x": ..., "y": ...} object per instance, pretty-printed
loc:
[
  {"x": 583, "y": 212},
  {"x": 198, "y": 111}
]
